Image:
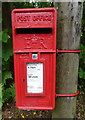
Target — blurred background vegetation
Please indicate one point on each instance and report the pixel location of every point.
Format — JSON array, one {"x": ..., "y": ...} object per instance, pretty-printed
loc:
[
  {"x": 82, "y": 55},
  {"x": 7, "y": 85}
]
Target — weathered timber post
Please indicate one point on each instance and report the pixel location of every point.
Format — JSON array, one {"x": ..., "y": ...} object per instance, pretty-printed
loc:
[{"x": 68, "y": 38}]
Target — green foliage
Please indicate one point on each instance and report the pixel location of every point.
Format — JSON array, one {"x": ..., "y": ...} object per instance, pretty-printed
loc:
[
  {"x": 7, "y": 51},
  {"x": 0, "y": 68},
  {"x": 0, "y": 95},
  {"x": 44, "y": 4},
  {"x": 6, "y": 75},
  {"x": 9, "y": 92},
  {"x": 33, "y": 4},
  {"x": 82, "y": 54},
  {"x": 0, "y": 117},
  {"x": 5, "y": 36},
  {"x": 12, "y": 90},
  {"x": 23, "y": 5},
  {"x": 0, "y": 35},
  {"x": 0, "y": 100},
  {"x": 82, "y": 68},
  {"x": 83, "y": 26},
  {"x": 82, "y": 62},
  {"x": 81, "y": 73},
  {"x": 7, "y": 68}
]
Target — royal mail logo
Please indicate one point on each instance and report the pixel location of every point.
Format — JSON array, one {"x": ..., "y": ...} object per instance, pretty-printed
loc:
[{"x": 33, "y": 42}]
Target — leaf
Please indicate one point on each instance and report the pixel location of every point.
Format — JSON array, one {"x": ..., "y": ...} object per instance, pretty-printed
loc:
[
  {"x": 7, "y": 51},
  {"x": 5, "y": 36},
  {"x": 12, "y": 90},
  {"x": 0, "y": 117},
  {"x": 9, "y": 92},
  {"x": 82, "y": 54},
  {"x": 0, "y": 90},
  {"x": 6, "y": 94},
  {"x": 81, "y": 73},
  {"x": 0, "y": 19},
  {"x": 1, "y": 56},
  {"x": 0, "y": 35},
  {"x": 6, "y": 75},
  {"x": 0, "y": 103},
  {"x": 0, "y": 95}
]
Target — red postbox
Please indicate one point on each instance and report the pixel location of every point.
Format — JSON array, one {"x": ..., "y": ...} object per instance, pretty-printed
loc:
[{"x": 34, "y": 47}]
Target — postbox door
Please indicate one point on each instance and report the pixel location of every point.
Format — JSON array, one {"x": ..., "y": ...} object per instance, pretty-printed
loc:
[{"x": 35, "y": 98}]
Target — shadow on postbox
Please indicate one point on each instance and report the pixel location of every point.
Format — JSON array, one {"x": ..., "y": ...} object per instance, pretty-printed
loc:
[{"x": 34, "y": 48}]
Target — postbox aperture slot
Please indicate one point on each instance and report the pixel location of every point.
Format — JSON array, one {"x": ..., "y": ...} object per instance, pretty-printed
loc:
[
  {"x": 34, "y": 78},
  {"x": 34, "y": 30}
]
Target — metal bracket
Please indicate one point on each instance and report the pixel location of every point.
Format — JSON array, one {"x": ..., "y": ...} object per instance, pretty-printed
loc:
[
  {"x": 67, "y": 95},
  {"x": 68, "y": 51}
]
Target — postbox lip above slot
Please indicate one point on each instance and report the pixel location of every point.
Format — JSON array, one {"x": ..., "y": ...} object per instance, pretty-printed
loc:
[
  {"x": 34, "y": 10},
  {"x": 33, "y": 26}
]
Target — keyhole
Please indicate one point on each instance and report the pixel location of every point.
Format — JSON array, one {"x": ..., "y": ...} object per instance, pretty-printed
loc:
[{"x": 23, "y": 80}]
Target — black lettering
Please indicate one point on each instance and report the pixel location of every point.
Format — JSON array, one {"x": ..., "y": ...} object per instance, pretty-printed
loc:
[
  {"x": 34, "y": 76},
  {"x": 29, "y": 76}
]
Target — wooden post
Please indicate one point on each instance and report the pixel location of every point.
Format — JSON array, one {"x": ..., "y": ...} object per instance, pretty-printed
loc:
[{"x": 68, "y": 38}]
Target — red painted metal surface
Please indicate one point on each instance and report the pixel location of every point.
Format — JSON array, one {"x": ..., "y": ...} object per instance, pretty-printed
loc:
[
  {"x": 34, "y": 32},
  {"x": 67, "y": 95}
]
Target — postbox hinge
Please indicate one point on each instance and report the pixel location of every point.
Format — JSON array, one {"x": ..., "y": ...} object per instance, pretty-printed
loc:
[
  {"x": 68, "y": 51},
  {"x": 67, "y": 95}
]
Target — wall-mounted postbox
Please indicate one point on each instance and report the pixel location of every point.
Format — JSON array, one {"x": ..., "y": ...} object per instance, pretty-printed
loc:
[{"x": 34, "y": 47}]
